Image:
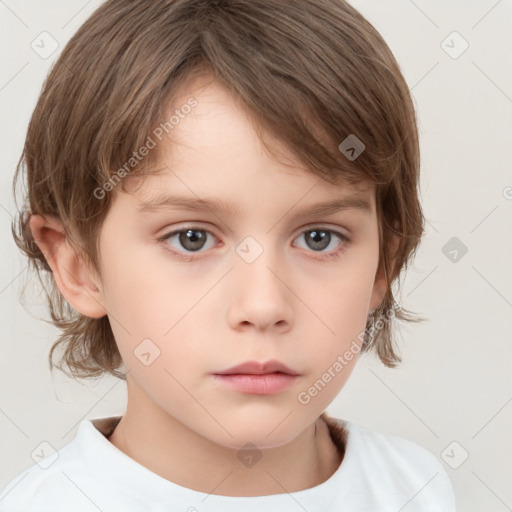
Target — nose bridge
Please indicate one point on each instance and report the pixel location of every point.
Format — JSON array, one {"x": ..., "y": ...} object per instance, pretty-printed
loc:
[
  {"x": 259, "y": 295},
  {"x": 258, "y": 259}
]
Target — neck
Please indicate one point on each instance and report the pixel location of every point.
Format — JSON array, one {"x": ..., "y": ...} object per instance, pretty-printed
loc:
[{"x": 170, "y": 449}]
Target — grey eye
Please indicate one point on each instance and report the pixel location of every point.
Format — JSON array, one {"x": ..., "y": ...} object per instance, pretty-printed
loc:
[{"x": 191, "y": 239}]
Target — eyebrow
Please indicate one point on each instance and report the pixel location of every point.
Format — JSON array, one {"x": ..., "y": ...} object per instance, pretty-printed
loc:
[{"x": 174, "y": 202}]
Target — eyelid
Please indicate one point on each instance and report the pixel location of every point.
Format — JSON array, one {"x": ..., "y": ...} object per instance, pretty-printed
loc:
[{"x": 324, "y": 225}]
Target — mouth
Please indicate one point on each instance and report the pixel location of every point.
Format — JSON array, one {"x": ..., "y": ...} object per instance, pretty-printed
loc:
[
  {"x": 264, "y": 384},
  {"x": 258, "y": 378}
]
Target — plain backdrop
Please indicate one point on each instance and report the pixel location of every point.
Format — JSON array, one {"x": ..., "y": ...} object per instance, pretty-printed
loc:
[{"x": 453, "y": 392}]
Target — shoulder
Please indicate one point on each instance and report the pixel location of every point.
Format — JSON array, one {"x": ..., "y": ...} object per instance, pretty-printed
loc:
[
  {"x": 388, "y": 463},
  {"x": 55, "y": 481},
  {"x": 40, "y": 483},
  {"x": 392, "y": 448}
]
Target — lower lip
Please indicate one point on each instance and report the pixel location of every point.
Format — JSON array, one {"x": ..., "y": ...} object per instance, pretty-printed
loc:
[{"x": 266, "y": 384}]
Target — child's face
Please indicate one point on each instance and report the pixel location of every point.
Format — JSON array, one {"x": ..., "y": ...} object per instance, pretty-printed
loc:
[{"x": 249, "y": 285}]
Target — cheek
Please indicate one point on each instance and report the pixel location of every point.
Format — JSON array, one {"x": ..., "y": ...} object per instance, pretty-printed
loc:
[
  {"x": 341, "y": 298},
  {"x": 153, "y": 309},
  {"x": 145, "y": 292},
  {"x": 339, "y": 309}
]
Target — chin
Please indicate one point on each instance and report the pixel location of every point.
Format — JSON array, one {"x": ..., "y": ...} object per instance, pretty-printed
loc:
[{"x": 263, "y": 433}]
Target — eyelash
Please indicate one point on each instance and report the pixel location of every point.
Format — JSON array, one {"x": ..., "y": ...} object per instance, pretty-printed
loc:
[{"x": 336, "y": 253}]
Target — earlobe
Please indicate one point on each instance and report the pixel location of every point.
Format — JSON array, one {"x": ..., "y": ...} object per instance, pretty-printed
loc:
[{"x": 72, "y": 277}]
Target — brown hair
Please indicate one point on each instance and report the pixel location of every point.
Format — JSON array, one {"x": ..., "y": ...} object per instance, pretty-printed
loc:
[{"x": 311, "y": 72}]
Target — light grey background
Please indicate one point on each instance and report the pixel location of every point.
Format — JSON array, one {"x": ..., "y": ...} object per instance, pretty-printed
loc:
[{"x": 453, "y": 393}]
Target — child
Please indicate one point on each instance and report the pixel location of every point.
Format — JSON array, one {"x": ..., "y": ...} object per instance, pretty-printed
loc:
[{"x": 221, "y": 194}]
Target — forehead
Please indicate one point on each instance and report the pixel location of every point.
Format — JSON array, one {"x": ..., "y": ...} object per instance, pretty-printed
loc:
[{"x": 216, "y": 147}]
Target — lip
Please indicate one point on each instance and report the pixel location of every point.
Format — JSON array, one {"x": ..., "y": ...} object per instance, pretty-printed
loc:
[
  {"x": 257, "y": 368},
  {"x": 264, "y": 384},
  {"x": 253, "y": 377}
]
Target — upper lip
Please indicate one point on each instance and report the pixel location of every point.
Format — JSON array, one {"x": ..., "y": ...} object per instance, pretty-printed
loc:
[{"x": 257, "y": 368}]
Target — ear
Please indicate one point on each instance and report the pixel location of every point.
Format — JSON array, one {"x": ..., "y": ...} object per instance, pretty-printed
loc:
[
  {"x": 73, "y": 278},
  {"x": 380, "y": 285},
  {"x": 378, "y": 292}
]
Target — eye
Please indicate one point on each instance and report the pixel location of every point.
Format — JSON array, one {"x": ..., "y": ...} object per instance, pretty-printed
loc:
[
  {"x": 190, "y": 239},
  {"x": 193, "y": 240},
  {"x": 319, "y": 239}
]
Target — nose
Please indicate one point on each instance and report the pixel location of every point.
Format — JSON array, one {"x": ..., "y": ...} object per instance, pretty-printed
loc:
[{"x": 259, "y": 293}]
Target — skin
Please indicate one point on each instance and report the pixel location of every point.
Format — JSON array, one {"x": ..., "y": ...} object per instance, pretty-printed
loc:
[{"x": 216, "y": 310}]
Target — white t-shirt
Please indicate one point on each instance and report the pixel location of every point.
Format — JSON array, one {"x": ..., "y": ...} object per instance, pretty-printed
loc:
[{"x": 379, "y": 473}]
